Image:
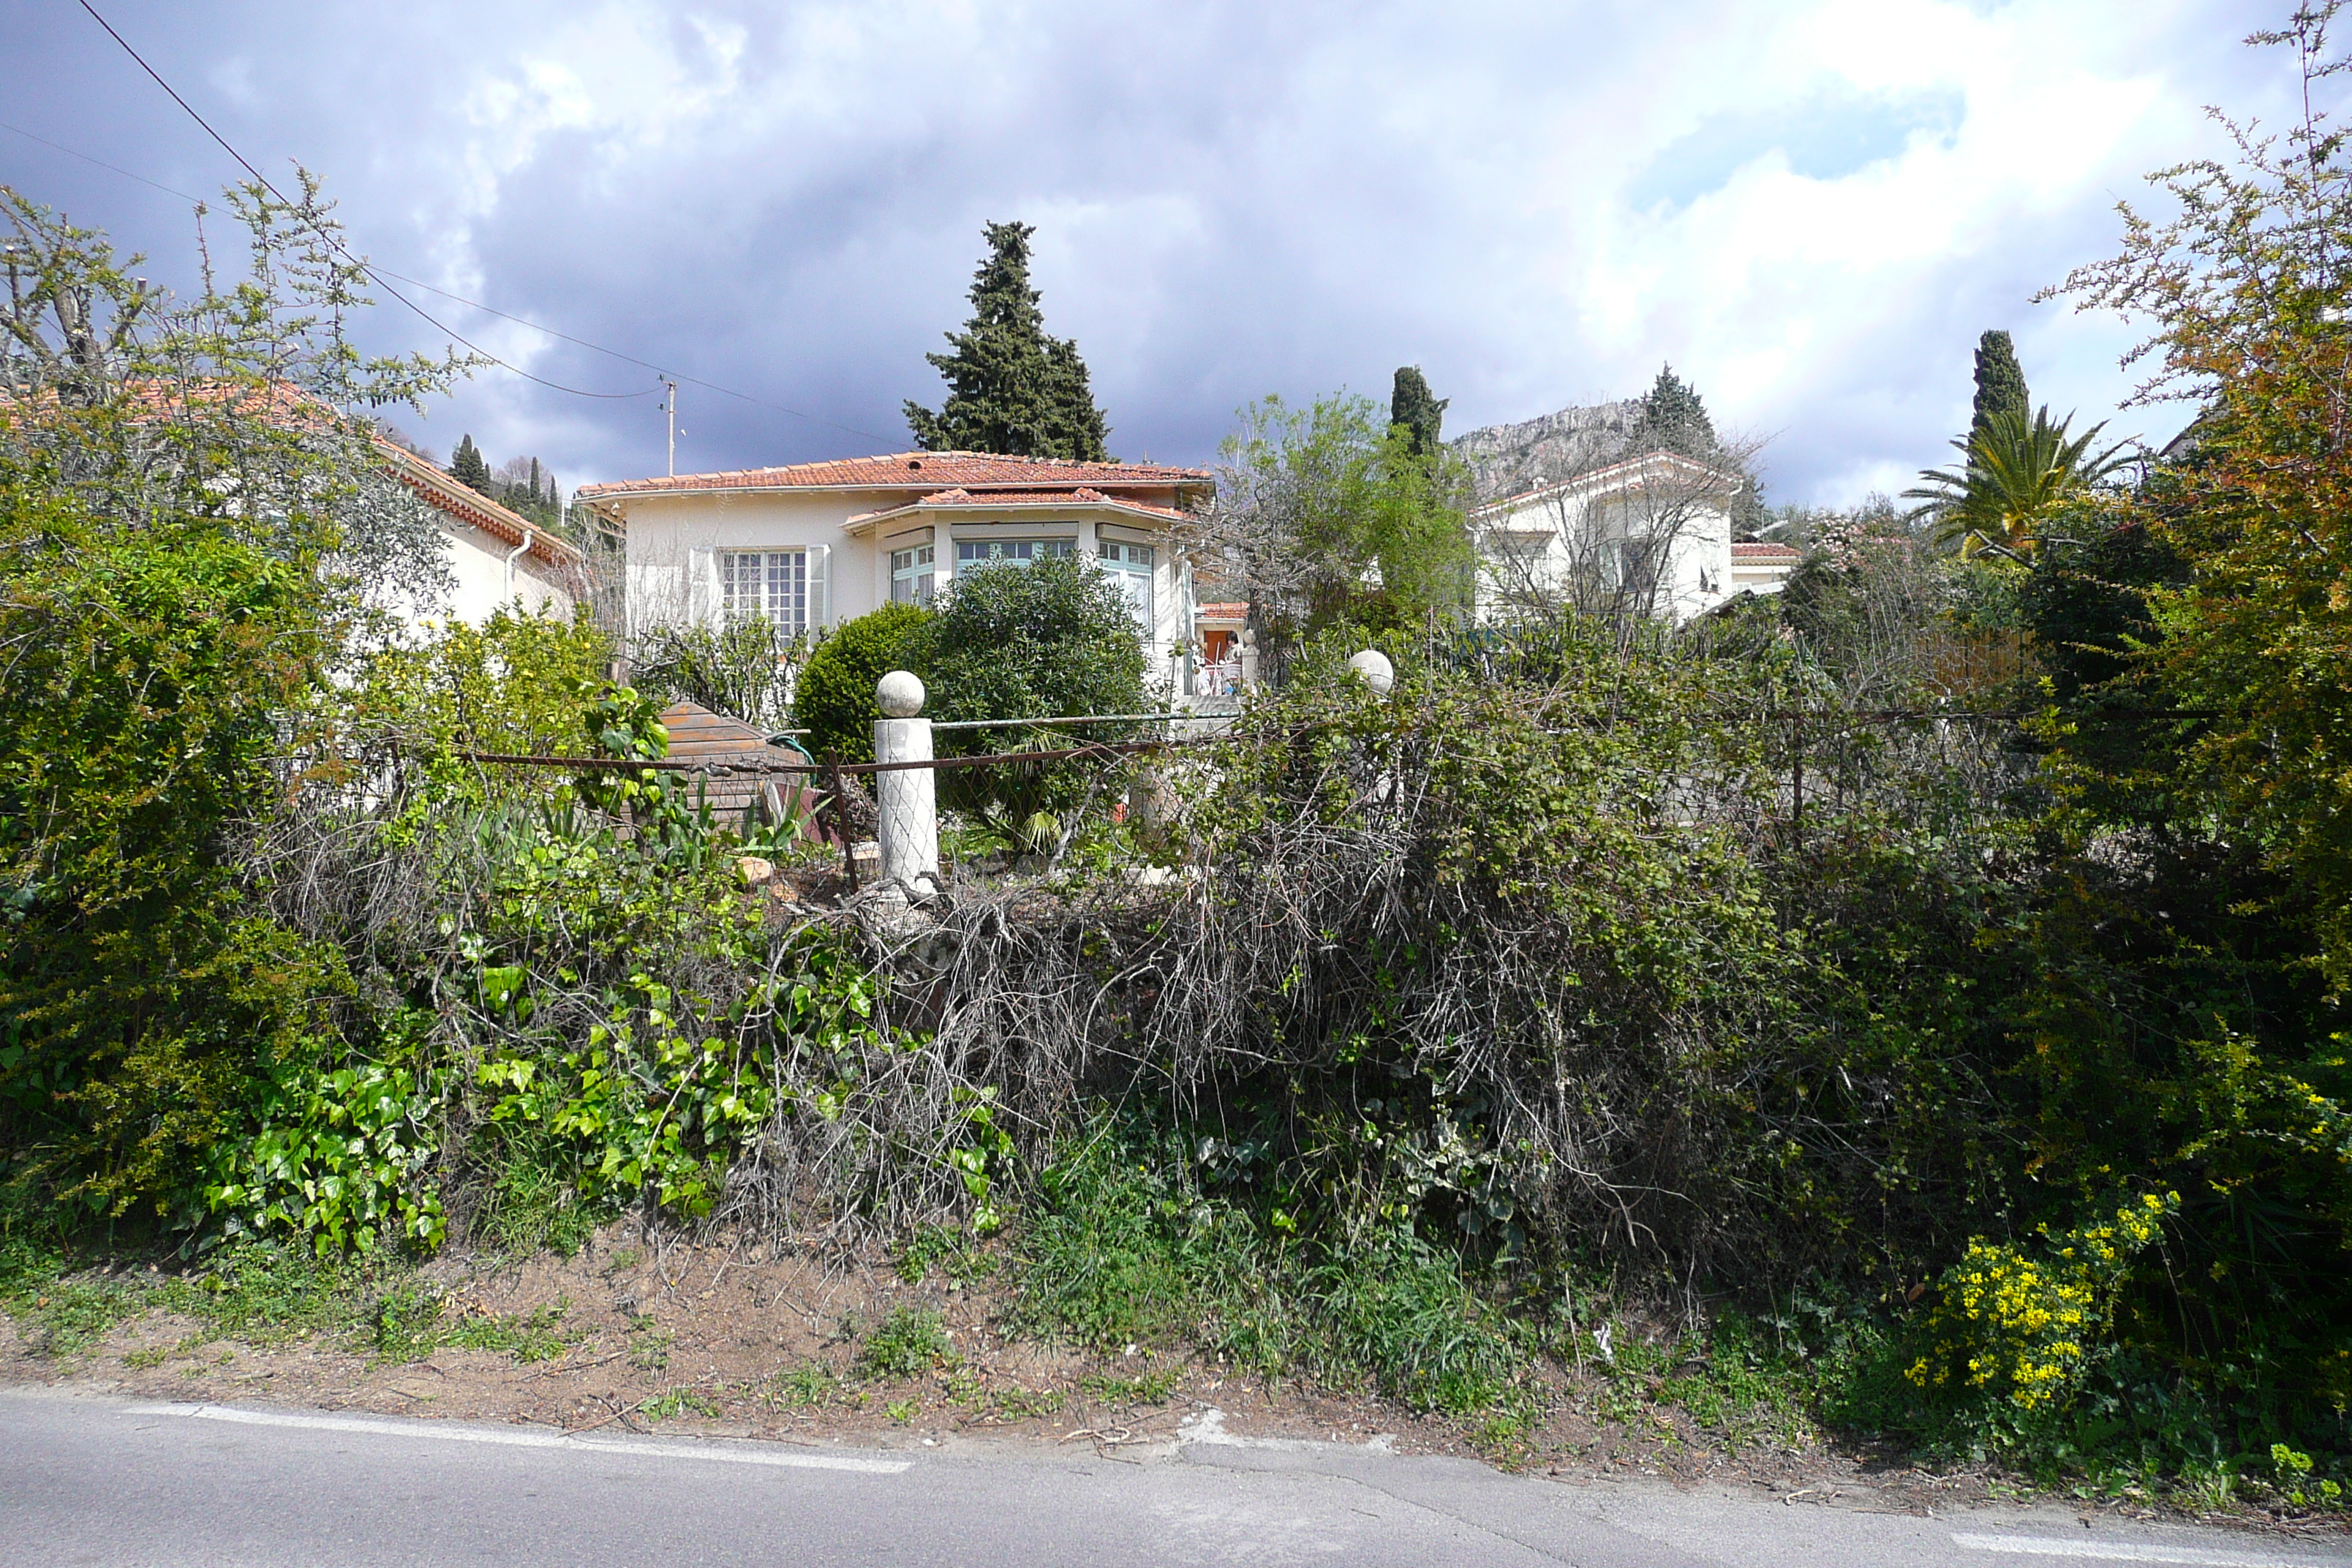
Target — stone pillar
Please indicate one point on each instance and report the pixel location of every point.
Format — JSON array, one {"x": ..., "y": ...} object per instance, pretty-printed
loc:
[
  {"x": 908, "y": 799},
  {"x": 1248, "y": 658}
]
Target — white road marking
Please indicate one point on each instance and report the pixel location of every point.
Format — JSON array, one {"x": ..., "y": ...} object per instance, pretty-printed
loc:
[
  {"x": 2125, "y": 1551},
  {"x": 725, "y": 1453},
  {"x": 1208, "y": 1428}
]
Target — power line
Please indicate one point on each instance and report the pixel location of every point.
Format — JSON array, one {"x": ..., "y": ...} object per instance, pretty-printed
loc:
[
  {"x": 109, "y": 168},
  {"x": 631, "y": 359},
  {"x": 477, "y": 305},
  {"x": 338, "y": 246}
]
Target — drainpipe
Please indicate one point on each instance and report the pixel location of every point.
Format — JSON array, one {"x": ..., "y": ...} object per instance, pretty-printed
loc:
[{"x": 508, "y": 592}]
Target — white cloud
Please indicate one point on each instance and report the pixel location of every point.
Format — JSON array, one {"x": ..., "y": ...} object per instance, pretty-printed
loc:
[{"x": 1811, "y": 208}]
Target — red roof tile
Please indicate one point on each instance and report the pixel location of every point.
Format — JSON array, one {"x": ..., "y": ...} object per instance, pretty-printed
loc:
[
  {"x": 1765, "y": 552},
  {"x": 445, "y": 493},
  {"x": 897, "y": 471}
]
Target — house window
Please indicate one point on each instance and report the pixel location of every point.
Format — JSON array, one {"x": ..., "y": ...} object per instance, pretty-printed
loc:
[
  {"x": 1130, "y": 566},
  {"x": 769, "y": 583},
  {"x": 912, "y": 573},
  {"x": 1015, "y": 552}
]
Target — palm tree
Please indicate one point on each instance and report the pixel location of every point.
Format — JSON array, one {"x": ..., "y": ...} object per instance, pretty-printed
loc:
[{"x": 2017, "y": 474}]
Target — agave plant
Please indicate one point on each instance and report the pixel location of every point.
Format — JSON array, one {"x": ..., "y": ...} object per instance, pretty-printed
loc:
[{"x": 2016, "y": 474}]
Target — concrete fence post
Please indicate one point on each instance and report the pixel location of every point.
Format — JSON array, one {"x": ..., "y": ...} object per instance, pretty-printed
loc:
[{"x": 907, "y": 798}]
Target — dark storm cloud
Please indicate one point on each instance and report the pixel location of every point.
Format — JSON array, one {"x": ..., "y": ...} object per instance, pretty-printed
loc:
[{"x": 1811, "y": 209}]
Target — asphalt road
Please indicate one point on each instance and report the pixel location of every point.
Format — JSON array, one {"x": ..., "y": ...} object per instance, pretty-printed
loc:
[{"x": 93, "y": 1481}]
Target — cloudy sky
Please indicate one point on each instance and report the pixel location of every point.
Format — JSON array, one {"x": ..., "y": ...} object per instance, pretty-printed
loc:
[{"x": 1810, "y": 208}]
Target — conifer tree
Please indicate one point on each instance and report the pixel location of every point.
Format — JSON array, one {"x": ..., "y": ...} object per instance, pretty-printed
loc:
[
  {"x": 1420, "y": 411},
  {"x": 1673, "y": 418},
  {"x": 1010, "y": 388},
  {"x": 469, "y": 466},
  {"x": 2000, "y": 384}
]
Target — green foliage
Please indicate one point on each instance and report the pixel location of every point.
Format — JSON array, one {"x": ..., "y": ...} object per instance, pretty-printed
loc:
[
  {"x": 1012, "y": 388},
  {"x": 345, "y": 1159},
  {"x": 469, "y": 466},
  {"x": 139, "y": 995},
  {"x": 1674, "y": 418},
  {"x": 2017, "y": 474},
  {"x": 1046, "y": 640},
  {"x": 834, "y": 699},
  {"x": 517, "y": 685},
  {"x": 1421, "y": 411},
  {"x": 2000, "y": 384},
  {"x": 748, "y": 668},
  {"x": 904, "y": 1344},
  {"x": 1334, "y": 514},
  {"x": 161, "y": 650},
  {"x": 1136, "y": 1238}
]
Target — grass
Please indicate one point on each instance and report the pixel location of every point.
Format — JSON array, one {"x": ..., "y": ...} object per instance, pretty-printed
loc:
[
  {"x": 932, "y": 1245},
  {"x": 673, "y": 1402},
  {"x": 810, "y": 1386},
  {"x": 1125, "y": 1249},
  {"x": 264, "y": 1295},
  {"x": 904, "y": 1344},
  {"x": 1152, "y": 1388}
]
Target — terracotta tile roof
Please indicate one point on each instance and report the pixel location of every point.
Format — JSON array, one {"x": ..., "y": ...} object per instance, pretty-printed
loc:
[
  {"x": 445, "y": 493},
  {"x": 1083, "y": 495},
  {"x": 1766, "y": 553},
  {"x": 1234, "y": 612},
  {"x": 903, "y": 470},
  {"x": 287, "y": 406}
]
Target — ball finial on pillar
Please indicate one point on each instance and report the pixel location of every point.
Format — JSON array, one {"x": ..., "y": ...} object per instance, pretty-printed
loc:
[
  {"x": 1374, "y": 666},
  {"x": 899, "y": 694}
]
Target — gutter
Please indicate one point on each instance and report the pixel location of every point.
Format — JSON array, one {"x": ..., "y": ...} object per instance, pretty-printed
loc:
[{"x": 507, "y": 592}]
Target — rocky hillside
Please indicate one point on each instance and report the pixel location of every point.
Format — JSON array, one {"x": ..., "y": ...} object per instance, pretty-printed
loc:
[{"x": 1509, "y": 459}]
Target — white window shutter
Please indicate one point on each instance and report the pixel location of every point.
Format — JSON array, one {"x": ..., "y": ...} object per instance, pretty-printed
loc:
[
  {"x": 702, "y": 597},
  {"x": 820, "y": 586}
]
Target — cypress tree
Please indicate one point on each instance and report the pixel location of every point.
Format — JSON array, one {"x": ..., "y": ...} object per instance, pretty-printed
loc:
[
  {"x": 1673, "y": 418},
  {"x": 469, "y": 466},
  {"x": 1010, "y": 388},
  {"x": 2001, "y": 383},
  {"x": 1420, "y": 411}
]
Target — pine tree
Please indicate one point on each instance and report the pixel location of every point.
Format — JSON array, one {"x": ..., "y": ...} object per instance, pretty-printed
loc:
[
  {"x": 2001, "y": 383},
  {"x": 1010, "y": 388},
  {"x": 1414, "y": 406},
  {"x": 1673, "y": 418},
  {"x": 469, "y": 466}
]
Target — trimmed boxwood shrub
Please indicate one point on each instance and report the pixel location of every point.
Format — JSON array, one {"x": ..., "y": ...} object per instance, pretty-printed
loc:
[{"x": 835, "y": 700}]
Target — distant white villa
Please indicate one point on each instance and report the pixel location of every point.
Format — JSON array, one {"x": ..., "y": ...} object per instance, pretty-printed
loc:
[
  {"x": 814, "y": 544},
  {"x": 1651, "y": 533}
]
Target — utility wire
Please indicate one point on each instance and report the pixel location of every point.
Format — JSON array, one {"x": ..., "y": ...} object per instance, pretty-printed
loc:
[
  {"x": 337, "y": 244},
  {"x": 109, "y": 168},
  {"x": 631, "y": 359},
  {"x": 476, "y": 304}
]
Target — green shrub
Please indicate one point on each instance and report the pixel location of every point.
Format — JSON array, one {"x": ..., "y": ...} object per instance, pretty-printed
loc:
[
  {"x": 904, "y": 1344},
  {"x": 834, "y": 699},
  {"x": 746, "y": 669}
]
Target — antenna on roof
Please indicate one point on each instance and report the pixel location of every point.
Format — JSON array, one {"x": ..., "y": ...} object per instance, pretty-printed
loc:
[{"x": 669, "y": 406}]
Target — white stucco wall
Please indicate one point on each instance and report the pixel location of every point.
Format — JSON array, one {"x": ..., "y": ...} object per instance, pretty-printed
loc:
[
  {"x": 476, "y": 562},
  {"x": 1542, "y": 539},
  {"x": 478, "y": 559},
  {"x": 672, "y": 542}
]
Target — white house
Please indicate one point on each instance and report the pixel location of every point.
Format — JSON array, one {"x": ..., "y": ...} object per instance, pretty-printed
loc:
[
  {"x": 1651, "y": 533},
  {"x": 815, "y": 544},
  {"x": 495, "y": 556}
]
